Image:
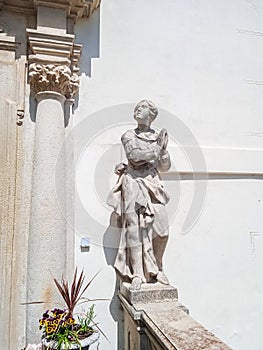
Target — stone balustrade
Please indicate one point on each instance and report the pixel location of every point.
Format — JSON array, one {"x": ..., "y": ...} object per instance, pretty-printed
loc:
[{"x": 154, "y": 319}]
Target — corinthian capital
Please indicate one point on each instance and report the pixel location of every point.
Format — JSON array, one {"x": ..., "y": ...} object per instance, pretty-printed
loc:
[{"x": 49, "y": 77}]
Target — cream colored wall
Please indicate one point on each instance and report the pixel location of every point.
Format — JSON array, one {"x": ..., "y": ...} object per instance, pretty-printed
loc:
[
  {"x": 17, "y": 135},
  {"x": 201, "y": 63}
]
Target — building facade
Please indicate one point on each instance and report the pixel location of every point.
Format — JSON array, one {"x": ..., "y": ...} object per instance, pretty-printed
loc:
[{"x": 71, "y": 74}]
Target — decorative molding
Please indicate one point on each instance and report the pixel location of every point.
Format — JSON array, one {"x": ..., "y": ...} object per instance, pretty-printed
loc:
[
  {"x": 47, "y": 44},
  {"x": 53, "y": 78},
  {"x": 53, "y": 62},
  {"x": 7, "y": 43},
  {"x": 218, "y": 161},
  {"x": 75, "y": 55},
  {"x": 75, "y": 8},
  {"x": 20, "y": 116},
  {"x": 3, "y": 28}
]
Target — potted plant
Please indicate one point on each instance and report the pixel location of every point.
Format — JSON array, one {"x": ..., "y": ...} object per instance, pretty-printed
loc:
[{"x": 62, "y": 328}]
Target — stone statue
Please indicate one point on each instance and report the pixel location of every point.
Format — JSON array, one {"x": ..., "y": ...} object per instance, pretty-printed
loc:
[{"x": 139, "y": 198}]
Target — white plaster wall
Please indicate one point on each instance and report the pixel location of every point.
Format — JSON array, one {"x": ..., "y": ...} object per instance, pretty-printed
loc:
[{"x": 200, "y": 61}]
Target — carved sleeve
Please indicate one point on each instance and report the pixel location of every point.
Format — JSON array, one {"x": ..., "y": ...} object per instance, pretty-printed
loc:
[{"x": 134, "y": 153}]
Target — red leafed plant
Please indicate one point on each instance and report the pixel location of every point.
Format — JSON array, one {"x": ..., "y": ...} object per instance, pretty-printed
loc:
[
  {"x": 73, "y": 294},
  {"x": 60, "y": 330}
]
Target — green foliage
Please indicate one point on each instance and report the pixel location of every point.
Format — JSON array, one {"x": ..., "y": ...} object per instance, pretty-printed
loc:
[
  {"x": 60, "y": 325},
  {"x": 86, "y": 320}
]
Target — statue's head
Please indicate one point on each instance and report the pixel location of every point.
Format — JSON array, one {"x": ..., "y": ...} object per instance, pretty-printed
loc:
[{"x": 148, "y": 106}]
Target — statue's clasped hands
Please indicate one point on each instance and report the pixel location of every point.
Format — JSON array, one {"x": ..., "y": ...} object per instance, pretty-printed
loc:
[{"x": 162, "y": 140}]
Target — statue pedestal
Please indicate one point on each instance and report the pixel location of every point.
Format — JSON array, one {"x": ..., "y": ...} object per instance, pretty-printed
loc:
[{"x": 149, "y": 292}]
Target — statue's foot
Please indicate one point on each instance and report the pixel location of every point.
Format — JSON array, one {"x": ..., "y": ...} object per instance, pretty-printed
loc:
[
  {"x": 136, "y": 283},
  {"x": 161, "y": 277}
]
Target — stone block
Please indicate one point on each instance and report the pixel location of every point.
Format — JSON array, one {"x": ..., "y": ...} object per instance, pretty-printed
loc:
[{"x": 149, "y": 292}]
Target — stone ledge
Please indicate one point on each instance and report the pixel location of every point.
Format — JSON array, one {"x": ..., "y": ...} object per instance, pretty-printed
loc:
[
  {"x": 176, "y": 329},
  {"x": 149, "y": 292},
  {"x": 166, "y": 325}
]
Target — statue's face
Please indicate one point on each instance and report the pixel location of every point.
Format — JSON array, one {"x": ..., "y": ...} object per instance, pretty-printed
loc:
[{"x": 142, "y": 113}]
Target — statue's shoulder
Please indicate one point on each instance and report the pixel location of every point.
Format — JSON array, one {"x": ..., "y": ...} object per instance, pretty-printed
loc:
[{"x": 128, "y": 135}]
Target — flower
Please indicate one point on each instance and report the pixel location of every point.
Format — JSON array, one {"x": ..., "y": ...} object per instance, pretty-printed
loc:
[{"x": 59, "y": 326}]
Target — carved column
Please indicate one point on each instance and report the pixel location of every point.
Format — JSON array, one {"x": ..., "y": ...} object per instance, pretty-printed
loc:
[
  {"x": 47, "y": 246},
  {"x": 52, "y": 55}
]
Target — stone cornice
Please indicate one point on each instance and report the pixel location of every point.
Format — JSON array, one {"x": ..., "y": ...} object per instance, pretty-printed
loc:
[
  {"x": 54, "y": 78},
  {"x": 8, "y": 43},
  {"x": 53, "y": 59},
  {"x": 75, "y": 8},
  {"x": 48, "y": 53},
  {"x": 52, "y": 45}
]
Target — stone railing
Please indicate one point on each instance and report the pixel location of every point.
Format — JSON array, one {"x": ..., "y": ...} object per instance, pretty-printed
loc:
[{"x": 154, "y": 319}]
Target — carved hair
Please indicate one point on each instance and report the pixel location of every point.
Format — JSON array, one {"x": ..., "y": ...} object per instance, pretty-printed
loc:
[{"x": 152, "y": 107}]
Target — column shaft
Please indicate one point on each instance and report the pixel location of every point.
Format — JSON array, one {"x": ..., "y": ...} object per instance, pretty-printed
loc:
[{"x": 47, "y": 236}]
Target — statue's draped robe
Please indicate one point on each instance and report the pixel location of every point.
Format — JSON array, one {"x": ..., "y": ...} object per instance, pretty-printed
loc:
[{"x": 139, "y": 190}]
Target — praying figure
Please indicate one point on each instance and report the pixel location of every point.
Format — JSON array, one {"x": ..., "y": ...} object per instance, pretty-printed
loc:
[{"x": 139, "y": 199}]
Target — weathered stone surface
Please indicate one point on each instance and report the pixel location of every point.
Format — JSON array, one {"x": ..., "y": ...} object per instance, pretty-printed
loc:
[
  {"x": 165, "y": 325},
  {"x": 47, "y": 242},
  {"x": 53, "y": 46},
  {"x": 53, "y": 78},
  {"x": 149, "y": 293},
  {"x": 155, "y": 319},
  {"x": 75, "y": 8},
  {"x": 13, "y": 236},
  {"x": 178, "y": 329},
  {"x": 139, "y": 199}
]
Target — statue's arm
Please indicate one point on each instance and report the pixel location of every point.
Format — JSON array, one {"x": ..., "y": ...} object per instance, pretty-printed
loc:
[{"x": 137, "y": 155}]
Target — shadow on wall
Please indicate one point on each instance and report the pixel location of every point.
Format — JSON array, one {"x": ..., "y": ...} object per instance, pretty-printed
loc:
[
  {"x": 88, "y": 35},
  {"x": 111, "y": 242}
]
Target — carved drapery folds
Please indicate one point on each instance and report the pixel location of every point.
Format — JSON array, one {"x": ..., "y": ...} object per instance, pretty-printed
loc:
[{"x": 49, "y": 77}]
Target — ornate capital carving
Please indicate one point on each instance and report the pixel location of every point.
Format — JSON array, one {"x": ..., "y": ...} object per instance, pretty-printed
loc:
[{"x": 49, "y": 77}]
